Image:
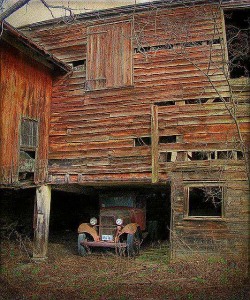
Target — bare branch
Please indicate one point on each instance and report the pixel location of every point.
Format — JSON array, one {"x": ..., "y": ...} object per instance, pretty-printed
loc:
[{"x": 13, "y": 9}]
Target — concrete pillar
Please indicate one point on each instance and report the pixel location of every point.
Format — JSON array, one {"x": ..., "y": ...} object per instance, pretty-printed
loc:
[{"x": 41, "y": 221}]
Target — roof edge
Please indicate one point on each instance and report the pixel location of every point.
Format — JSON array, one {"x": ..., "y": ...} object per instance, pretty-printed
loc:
[
  {"x": 136, "y": 8},
  {"x": 11, "y": 32}
]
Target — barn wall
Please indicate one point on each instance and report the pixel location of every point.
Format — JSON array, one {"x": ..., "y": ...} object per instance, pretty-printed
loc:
[
  {"x": 226, "y": 236},
  {"x": 92, "y": 132},
  {"x": 25, "y": 92},
  {"x": 179, "y": 74}
]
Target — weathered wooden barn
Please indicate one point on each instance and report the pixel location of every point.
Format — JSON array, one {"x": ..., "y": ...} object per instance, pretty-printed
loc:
[
  {"x": 27, "y": 73},
  {"x": 158, "y": 97}
]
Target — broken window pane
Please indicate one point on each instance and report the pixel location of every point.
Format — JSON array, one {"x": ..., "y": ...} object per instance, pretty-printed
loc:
[
  {"x": 142, "y": 141},
  {"x": 205, "y": 201}
]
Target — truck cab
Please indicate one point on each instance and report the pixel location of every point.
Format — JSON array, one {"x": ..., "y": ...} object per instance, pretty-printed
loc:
[{"x": 119, "y": 225}]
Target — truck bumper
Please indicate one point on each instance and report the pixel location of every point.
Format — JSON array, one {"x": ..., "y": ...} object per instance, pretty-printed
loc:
[{"x": 104, "y": 244}]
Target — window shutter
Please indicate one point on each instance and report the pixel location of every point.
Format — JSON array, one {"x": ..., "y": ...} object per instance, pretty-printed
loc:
[
  {"x": 95, "y": 59},
  {"x": 28, "y": 133},
  {"x": 109, "y": 56}
]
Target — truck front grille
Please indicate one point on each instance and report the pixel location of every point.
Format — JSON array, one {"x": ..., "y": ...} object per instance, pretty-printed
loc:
[{"x": 107, "y": 226}]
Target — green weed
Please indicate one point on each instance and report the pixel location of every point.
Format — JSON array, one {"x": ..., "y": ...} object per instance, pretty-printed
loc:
[
  {"x": 190, "y": 296},
  {"x": 224, "y": 279},
  {"x": 199, "y": 279},
  {"x": 176, "y": 288},
  {"x": 35, "y": 271},
  {"x": 170, "y": 270}
]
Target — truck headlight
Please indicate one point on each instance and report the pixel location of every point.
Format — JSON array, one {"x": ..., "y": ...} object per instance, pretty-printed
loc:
[
  {"x": 93, "y": 221},
  {"x": 119, "y": 222}
]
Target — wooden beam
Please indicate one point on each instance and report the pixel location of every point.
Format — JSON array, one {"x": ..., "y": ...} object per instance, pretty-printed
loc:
[
  {"x": 154, "y": 143},
  {"x": 41, "y": 221}
]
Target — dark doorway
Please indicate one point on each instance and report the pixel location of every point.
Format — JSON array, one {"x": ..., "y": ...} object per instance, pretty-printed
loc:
[{"x": 17, "y": 208}]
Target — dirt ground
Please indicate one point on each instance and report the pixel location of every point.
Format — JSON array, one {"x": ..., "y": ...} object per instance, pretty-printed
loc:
[{"x": 104, "y": 275}]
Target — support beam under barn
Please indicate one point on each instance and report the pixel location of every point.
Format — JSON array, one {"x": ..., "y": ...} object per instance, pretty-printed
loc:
[{"x": 41, "y": 221}]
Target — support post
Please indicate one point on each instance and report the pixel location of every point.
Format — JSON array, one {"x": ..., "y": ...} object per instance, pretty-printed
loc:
[
  {"x": 41, "y": 221},
  {"x": 154, "y": 143}
]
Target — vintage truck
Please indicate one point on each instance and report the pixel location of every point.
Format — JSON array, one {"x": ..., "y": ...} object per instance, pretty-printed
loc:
[{"x": 121, "y": 221}]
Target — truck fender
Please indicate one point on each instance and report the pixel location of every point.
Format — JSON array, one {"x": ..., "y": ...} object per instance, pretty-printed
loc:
[
  {"x": 86, "y": 228},
  {"x": 130, "y": 228}
]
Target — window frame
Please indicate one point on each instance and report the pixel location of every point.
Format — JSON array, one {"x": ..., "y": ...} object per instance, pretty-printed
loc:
[
  {"x": 27, "y": 147},
  {"x": 204, "y": 185}
]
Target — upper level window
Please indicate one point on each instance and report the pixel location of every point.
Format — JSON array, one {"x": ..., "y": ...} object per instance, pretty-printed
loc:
[
  {"x": 28, "y": 138},
  {"x": 109, "y": 56},
  {"x": 28, "y": 147},
  {"x": 237, "y": 31}
]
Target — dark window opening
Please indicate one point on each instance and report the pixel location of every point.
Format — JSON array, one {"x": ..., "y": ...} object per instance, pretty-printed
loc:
[
  {"x": 205, "y": 201},
  {"x": 218, "y": 99},
  {"x": 27, "y": 154},
  {"x": 142, "y": 141},
  {"x": 165, "y": 103},
  {"x": 240, "y": 155},
  {"x": 196, "y": 101},
  {"x": 78, "y": 65},
  {"x": 237, "y": 31},
  {"x": 153, "y": 48},
  {"x": 224, "y": 154},
  {"x": 198, "y": 155},
  {"x": 171, "y": 46},
  {"x": 23, "y": 176},
  {"x": 192, "y": 44},
  {"x": 167, "y": 139},
  {"x": 212, "y": 155}
]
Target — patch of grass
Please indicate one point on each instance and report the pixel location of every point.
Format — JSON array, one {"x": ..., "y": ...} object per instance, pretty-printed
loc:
[
  {"x": 12, "y": 252},
  {"x": 3, "y": 270},
  {"x": 223, "y": 261},
  {"x": 199, "y": 279},
  {"x": 170, "y": 270},
  {"x": 224, "y": 279},
  {"x": 190, "y": 296},
  {"x": 215, "y": 259},
  {"x": 17, "y": 272},
  {"x": 176, "y": 288},
  {"x": 35, "y": 271}
]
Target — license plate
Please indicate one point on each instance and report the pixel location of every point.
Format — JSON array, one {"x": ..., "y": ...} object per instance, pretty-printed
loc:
[{"x": 106, "y": 237}]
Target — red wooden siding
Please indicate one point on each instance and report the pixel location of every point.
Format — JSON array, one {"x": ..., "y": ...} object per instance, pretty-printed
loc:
[
  {"x": 94, "y": 131},
  {"x": 178, "y": 81},
  {"x": 25, "y": 92}
]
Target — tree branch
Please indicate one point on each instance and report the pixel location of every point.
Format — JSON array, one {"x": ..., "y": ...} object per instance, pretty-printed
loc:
[{"x": 12, "y": 9}]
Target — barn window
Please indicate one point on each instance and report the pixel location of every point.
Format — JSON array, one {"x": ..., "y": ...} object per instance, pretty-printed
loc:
[
  {"x": 167, "y": 139},
  {"x": 205, "y": 201},
  {"x": 142, "y": 141},
  {"x": 237, "y": 32},
  {"x": 78, "y": 65},
  {"x": 28, "y": 138},
  {"x": 28, "y": 146},
  {"x": 109, "y": 56}
]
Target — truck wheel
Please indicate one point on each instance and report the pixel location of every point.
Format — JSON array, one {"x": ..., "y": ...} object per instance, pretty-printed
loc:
[
  {"x": 81, "y": 250},
  {"x": 133, "y": 243}
]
